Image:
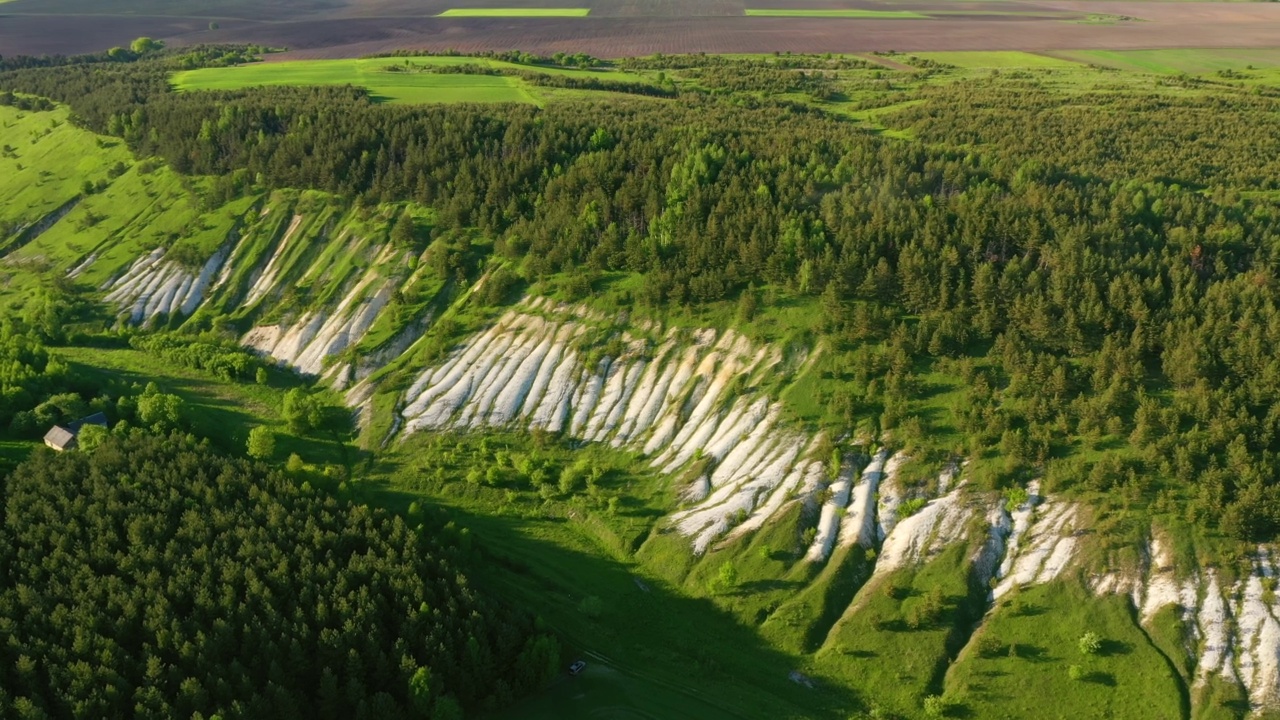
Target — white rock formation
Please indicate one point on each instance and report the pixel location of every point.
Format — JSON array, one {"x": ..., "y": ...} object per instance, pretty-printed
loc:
[
  {"x": 924, "y": 534},
  {"x": 676, "y": 402},
  {"x": 154, "y": 286},
  {"x": 1045, "y": 552}
]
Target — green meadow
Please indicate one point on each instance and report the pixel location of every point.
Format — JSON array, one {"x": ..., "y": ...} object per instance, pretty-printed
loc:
[
  {"x": 372, "y": 74},
  {"x": 850, "y": 13},
  {"x": 997, "y": 59},
  {"x": 395, "y": 79},
  {"x": 515, "y": 12},
  {"x": 1177, "y": 61}
]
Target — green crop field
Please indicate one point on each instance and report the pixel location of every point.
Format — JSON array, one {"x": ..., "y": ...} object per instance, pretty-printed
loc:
[
  {"x": 997, "y": 59},
  {"x": 850, "y": 13},
  {"x": 1177, "y": 61},
  {"x": 515, "y": 12}
]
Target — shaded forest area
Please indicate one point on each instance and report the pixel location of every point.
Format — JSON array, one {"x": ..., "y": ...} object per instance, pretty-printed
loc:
[{"x": 152, "y": 577}]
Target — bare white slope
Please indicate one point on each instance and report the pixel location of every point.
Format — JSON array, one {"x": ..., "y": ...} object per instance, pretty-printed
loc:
[
  {"x": 1259, "y": 636},
  {"x": 923, "y": 535},
  {"x": 266, "y": 279},
  {"x": 891, "y": 496},
  {"x": 154, "y": 286},
  {"x": 1046, "y": 550},
  {"x": 675, "y": 403}
]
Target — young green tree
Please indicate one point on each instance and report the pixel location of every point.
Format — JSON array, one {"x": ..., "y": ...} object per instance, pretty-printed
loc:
[
  {"x": 262, "y": 443},
  {"x": 90, "y": 437}
]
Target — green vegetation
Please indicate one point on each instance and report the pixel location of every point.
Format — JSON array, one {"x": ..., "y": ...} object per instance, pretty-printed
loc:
[
  {"x": 1083, "y": 299},
  {"x": 412, "y": 79},
  {"x": 849, "y": 13},
  {"x": 1191, "y": 61},
  {"x": 372, "y": 74},
  {"x": 996, "y": 59},
  {"x": 266, "y": 564},
  {"x": 1036, "y": 637},
  {"x": 515, "y": 12}
]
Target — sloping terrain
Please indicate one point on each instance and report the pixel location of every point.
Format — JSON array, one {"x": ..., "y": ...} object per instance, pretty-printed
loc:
[{"x": 684, "y": 458}]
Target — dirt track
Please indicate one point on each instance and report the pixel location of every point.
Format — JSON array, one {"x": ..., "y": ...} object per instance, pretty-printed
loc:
[{"x": 629, "y": 27}]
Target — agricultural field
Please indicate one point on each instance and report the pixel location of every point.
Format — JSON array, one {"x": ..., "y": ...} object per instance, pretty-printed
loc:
[
  {"x": 339, "y": 29},
  {"x": 1177, "y": 62},
  {"x": 515, "y": 12},
  {"x": 851, "y": 13}
]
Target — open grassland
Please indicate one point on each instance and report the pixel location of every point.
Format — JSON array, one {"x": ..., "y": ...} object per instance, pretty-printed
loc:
[
  {"x": 515, "y": 12},
  {"x": 997, "y": 59},
  {"x": 44, "y": 163},
  {"x": 850, "y": 13},
  {"x": 395, "y": 87},
  {"x": 395, "y": 80},
  {"x": 1174, "y": 62},
  {"x": 222, "y": 410},
  {"x": 1032, "y": 640}
]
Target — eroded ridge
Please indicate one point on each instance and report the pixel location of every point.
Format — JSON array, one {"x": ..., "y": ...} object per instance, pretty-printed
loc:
[
  {"x": 685, "y": 398},
  {"x": 155, "y": 286},
  {"x": 308, "y": 340}
]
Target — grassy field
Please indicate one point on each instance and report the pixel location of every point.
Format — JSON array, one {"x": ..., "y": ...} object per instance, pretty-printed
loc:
[
  {"x": 395, "y": 87},
  {"x": 1177, "y": 61},
  {"x": 850, "y": 13},
  {"x": 44, "y": 162},
  {"x": 515, "y": 12},
  {"x": 1020, "y": 664},
  {"x": 217, "y": 409},
  {"x": 997, "y": 59},
  {"x": 394, "y": 80},
  {"x": 659, "y": 650}
]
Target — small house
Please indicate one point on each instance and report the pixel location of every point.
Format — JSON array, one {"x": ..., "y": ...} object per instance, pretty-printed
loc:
[{"x": 64, "y": 438}]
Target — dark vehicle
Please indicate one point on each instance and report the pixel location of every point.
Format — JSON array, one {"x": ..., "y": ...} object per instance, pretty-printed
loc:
[{"x": 577, "y": 667}]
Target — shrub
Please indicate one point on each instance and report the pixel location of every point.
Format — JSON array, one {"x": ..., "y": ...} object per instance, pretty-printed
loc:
[
  {"x": 988, "y": 646},
  {"x": 1090, "y": 643},
  {"x": 1075, "y": 672},
  {"x": 591, "y": 606},
  {"x": 262, "y": 443}
]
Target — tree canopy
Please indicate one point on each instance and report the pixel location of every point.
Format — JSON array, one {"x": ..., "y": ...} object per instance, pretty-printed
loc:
[{"x": 153, "y": 578}]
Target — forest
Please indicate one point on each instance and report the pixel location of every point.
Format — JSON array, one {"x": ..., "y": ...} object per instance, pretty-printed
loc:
[{"x": 154, "y": 577}]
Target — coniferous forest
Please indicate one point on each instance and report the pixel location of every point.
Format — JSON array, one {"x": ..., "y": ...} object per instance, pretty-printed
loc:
[{"x": 153, "y": 577}]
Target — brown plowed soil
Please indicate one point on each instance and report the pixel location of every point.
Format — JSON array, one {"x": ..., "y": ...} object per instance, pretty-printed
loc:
[{"x": 338, "y": 28}]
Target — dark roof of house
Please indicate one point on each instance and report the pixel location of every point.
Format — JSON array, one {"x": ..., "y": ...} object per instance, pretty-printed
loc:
[
  {"x": 94, "y": 419},
  {"x": 59, "y": 436}
]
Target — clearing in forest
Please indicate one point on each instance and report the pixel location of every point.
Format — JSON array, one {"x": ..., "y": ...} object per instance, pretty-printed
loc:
[
  {"x": 515, "y": 12},
  {"x": 411, "y": 80},
  {"x": 387, "y": 79}
]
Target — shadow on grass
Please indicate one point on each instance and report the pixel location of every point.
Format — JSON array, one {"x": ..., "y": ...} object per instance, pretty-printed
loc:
[
  {"x": 1100, "y": 678},
  {"x": 682, "y": 656}
]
